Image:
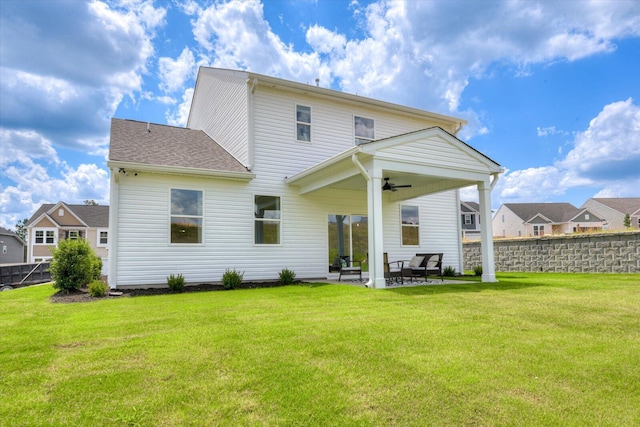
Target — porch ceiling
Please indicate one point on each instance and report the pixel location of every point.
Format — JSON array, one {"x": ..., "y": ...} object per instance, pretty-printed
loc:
[{"x": 430, "y": 161}]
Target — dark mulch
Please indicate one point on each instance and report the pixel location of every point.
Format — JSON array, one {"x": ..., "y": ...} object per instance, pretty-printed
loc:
[{"x": 82, "y": 295}]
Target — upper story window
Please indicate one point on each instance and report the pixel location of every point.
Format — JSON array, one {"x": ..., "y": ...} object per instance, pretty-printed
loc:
[
  {"x": 267, "y": 220},
  {"x": 103, "y": 237},
  {"x": 186, "y": 216},
  {"x": 467, "y": 219},
  {"x": 586, "y": 217},
  {"x": 303, "y": 123},
  {"x": 73, "y": 235},
  {"x": 45, "y": 237},
  {"x": 363, "y": 129},
  {"x": 410, "y": 225}
]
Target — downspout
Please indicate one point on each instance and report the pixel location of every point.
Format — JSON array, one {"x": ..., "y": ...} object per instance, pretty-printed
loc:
[
  {"x": 250, "y": 136},
  {"x": 496, "y": 176},
  {"x": 366, "y": 176}
]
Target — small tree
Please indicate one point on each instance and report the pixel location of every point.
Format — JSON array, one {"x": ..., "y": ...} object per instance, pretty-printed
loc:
[
  {"x": 21, "y": 228},
  {"x": 627, "y": 221},
  {"x": 74, "y": 265}
]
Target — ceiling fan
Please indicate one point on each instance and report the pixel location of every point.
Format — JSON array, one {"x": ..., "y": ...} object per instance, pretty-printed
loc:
[{"x": 393, "y": 187}]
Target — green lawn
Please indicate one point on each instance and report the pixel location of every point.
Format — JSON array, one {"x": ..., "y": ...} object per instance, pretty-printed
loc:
[{"x": 534, "y": 349}]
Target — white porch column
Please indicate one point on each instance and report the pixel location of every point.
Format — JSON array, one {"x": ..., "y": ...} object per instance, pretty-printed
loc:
[
  {"x": 374, "y": 192},
  {"x": 486, "y": 233}
]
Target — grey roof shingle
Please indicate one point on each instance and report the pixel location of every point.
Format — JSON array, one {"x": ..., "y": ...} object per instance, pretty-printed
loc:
[
  {"x": 166, "y": 145},
  {"x": 93, "y": 215},
  {"x": 556, "y": 212},
  {"x": 625, "y": 205}
]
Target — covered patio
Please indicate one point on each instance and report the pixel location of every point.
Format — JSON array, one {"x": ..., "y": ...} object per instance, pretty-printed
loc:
[{"x": 427, "y": 161}]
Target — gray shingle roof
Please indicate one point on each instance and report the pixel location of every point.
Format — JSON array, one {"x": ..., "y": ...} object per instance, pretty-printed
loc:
[
  {"x": 93, "y": 215},
  {"x": 556, "y": 212},
  {"x": 166, "y": 145},
  {"x": 625, "y": 205}
]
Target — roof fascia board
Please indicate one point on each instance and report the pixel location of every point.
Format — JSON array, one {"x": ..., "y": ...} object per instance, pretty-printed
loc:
[
  {"x": 180, "y": 170},
  {"x": 319, "y": 166},
  {"x": 541, "y": 216},
  {"x": 321, "y": 92}
]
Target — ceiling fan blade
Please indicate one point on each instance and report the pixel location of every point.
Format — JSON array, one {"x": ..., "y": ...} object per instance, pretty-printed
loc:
[{"x": 402, "y": 186}]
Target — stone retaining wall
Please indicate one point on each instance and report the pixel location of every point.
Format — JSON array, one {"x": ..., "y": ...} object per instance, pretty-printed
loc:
[{"x": 580, "y": 253}]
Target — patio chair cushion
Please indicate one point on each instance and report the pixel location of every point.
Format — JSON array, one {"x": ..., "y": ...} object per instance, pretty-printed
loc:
[
  {"x": 433, "y": 261},
  {"x": 416, "y": 261}
]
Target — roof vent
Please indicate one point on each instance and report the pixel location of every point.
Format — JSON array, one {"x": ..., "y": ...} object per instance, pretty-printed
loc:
[
  {"x": 317, "y": 82},
  {"x": 148, "y": 127}
]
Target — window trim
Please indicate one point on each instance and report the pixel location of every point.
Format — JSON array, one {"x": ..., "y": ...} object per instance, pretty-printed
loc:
[
  {"x": 298, "y": 122},
  {"x": 202, "y": 218},
  {"x": 279, "y": 220},
  {"x": 467, "y": 219},
  {"x": 45, "y": 231},
  {"x": 98, "y": 243},
  {"x": 361, "y": 139},
  {"x": 403, "y": 225},
  {"x": 75, "y": 233}
]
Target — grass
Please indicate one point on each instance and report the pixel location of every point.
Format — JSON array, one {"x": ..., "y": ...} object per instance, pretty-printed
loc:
[{"x": 533, "y": 349}]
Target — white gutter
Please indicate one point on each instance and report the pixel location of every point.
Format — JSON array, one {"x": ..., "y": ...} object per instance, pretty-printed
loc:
[
  {"x": 181, "y": 170},
  {"x": 366, "y": 176},
  {"x": 496, "y": 176}
]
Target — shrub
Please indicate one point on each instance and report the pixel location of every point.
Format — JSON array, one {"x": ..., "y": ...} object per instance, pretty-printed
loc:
[
  {"x": 74, "y": 265},
  {"x": 449, "y": 271},
  {"x": 98, "y": 289},
  {"x": 175, "y": 283},
  {"x": 287, "y": 276},
  {"x": 231, "y": 279},
  {"x": 477, "y": 270}
]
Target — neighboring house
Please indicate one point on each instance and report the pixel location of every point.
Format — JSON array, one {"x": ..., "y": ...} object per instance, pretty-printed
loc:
[
  {"x": 272, "y": 174},
  {"x": 613, "y": 210},
  {"x": 54, "y": 222},
  {"x": 470, "y": 220},
  {"x": 539, "y": 219},
  {"x": 11, "y": 247}
]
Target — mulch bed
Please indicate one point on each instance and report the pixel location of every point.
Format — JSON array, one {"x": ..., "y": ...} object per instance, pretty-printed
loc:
[{"x": 82, "y": 295}]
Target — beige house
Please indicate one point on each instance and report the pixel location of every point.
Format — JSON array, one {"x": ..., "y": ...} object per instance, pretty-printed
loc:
[
  {"x": 54, "y": 222},
  {"x": 539, "y": 219},
  {"x": 613, "y": 210}
]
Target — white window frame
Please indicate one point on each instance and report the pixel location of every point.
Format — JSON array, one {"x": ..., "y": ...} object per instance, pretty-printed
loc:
[
  {"x": 360, "y": 138},
  {"x": 586, "y": 217},
  {"x": 409, "y": 225},
  {"x": 303, "y": 123},
  {"x": 201, "y": 217},
  {"x": 74, "y": 235},
  {"x": 467, "y": 219},
  {"x": 275, "y": 220},
  {"x": 45, "y": 235},
  {"x": 99, "y": 231}
]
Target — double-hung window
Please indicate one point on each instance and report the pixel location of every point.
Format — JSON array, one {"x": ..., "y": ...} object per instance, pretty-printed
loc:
[
  {"x": 267, "y": 220},
  {"x": 73, "y": 235},
  {"x": 467, "y": 219},
  {"x": 410, "y": 225},
  {"x": 363, "y": 129},
  {"x": 538, "y": 230},
  {"x": 303, "y": 123},
  {"x": 103, "y": 237},
  {"x": 45, "y": 237},
  {"x": 186, "y": 216}
]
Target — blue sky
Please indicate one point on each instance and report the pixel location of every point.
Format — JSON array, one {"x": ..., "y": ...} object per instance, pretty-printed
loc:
[{"x": 550, "y": 90}]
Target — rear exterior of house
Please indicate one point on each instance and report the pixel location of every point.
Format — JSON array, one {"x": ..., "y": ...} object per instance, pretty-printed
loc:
[
  {"x": 52, "y": 223},
  {"x": 299, "y": 183}
]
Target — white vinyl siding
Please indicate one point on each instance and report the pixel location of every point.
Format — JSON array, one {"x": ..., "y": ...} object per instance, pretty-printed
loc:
[{"x": 226, "y": 119}]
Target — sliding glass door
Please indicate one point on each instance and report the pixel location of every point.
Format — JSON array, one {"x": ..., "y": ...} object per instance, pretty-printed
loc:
[{"x": 348, "y": 239}]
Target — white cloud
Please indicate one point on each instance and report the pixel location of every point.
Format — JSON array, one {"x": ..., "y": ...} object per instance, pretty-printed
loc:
[
  {"x": 551, "y": 130},
  {"x": 180, "y": 116},
  {"x": 35, "y": 185},
  {"x": 15, "y": 144},
  {"x": 604, "y": 157},
  {"x": 174, "y": 73}
]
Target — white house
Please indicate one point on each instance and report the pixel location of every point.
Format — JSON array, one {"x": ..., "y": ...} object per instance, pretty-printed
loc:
[
  {"x": 539, "y": 219},
  {"x": 272, "y": 174}
]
